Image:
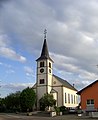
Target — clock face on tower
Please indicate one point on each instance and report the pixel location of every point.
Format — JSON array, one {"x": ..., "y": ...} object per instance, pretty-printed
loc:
[{"x": 41, "y": 70}]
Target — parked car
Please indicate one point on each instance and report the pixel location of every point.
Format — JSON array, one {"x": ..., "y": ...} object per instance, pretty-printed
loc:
[{"x": 72, "y": 110}]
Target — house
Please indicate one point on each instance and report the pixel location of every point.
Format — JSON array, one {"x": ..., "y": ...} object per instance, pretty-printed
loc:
[
  {"x": 46, "y": 82},
  {"x": 89, "y": 97}
]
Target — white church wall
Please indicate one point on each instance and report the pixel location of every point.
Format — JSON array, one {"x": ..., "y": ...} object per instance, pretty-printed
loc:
[
  {"x": 56, "y": 82},
  {"x": 59, "y": 95},
  {"x": 55, "y": 96},
  {"x": 41, "y": 91},
  {"x": 49, "y": 89},
  {"x": 70, "y": 97},
  {"x": 50, "y": 79},
  {"x": 49, "y": 73}
]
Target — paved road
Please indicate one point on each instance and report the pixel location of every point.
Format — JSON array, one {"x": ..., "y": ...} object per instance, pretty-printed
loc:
[{"x": 24, "y": 117}]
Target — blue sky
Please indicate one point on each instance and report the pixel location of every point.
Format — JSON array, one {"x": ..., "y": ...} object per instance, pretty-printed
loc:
[{"x": 72, "y": 37}]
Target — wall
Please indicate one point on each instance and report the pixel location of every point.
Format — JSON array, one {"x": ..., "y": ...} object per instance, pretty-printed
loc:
[
  {"x": 90, "y": 93},
  {"x": 57, "y": 85},
  {"x": 73, "y": 97}
]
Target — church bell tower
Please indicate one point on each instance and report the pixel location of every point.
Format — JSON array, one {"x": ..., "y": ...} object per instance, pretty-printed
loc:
[{"x": 44, "y": 72}]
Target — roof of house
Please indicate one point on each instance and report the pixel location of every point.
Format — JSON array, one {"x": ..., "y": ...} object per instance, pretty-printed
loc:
[
  {"x": 65, "y": 83},
  {"x": 79, "y": 92},
  {"x": 44, "y": 53}
]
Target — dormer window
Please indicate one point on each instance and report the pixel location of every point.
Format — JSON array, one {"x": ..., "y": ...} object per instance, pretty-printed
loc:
[{"x": 41, "y": 64}]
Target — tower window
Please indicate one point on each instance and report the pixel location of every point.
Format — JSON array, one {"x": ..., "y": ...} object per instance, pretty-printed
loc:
[
  {"x": 41, "y": 81},
  {"x": 49, "y": 64},
  {"x": 41, "y": 64}
]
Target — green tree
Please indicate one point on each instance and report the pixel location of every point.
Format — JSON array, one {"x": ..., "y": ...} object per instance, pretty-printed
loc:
[
  {"x": 2, "y": 105},
  {"x": 27, "y": 99},
  {"x": 12, "y": 102},
  {"x": 46, "y": 101}
]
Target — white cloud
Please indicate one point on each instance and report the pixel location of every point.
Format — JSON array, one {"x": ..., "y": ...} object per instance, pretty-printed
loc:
[
  {"x": 8, "y": 52},
  {"x": 16, "y": 86},
  {"x": 28, "y": 69},
  {"x": 11, "y": 54},
  {"x": 71, "y": 70},
  {"x": 29, "y": 72}
]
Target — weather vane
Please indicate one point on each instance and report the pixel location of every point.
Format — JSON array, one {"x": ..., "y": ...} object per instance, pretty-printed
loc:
[{"x": 45, "y": 32}]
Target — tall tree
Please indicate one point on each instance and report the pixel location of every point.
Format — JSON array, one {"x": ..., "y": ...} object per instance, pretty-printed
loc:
[
  {"x": 27, "y": 99},
  {"x": 46, "y": 101},
  {"x": 12, "y": 101},
  {"x": 2, "y": 105}
]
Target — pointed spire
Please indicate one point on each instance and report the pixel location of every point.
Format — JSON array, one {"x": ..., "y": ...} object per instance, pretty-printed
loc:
[
  {"x": 44, "y": 53},
  {"x": 45, "y": 49}
]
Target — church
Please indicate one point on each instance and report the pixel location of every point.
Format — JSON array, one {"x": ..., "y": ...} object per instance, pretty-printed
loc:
[{"x": 46, "y": 82}]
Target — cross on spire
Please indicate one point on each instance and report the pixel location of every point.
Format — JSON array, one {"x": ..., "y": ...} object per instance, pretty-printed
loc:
[{"x": 45, "y": 32}]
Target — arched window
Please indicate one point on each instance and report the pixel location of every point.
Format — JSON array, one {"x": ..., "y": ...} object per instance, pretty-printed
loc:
[
  {"x": 41, "y": 64},
  {"x": 49, "y": 64}
]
